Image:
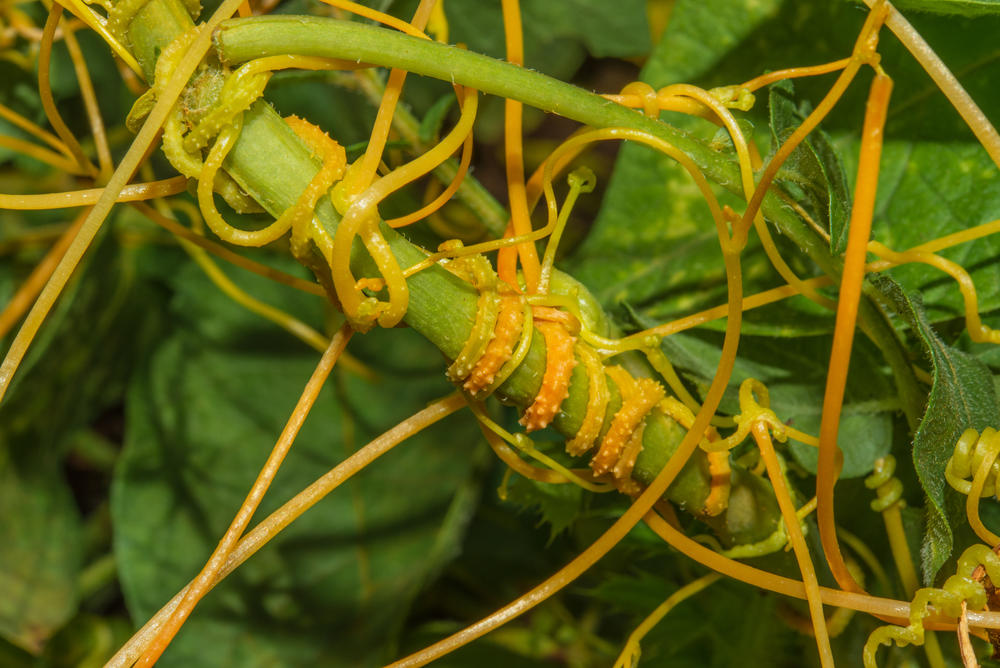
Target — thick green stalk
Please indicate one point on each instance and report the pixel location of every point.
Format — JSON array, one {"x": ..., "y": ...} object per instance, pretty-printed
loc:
[
  {"x": 240, "y": 40},
  {"x": 273, "y": 166}
]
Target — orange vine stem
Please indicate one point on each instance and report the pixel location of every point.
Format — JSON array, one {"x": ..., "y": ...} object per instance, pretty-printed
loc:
[
  {"x": 794, "y": 73},
  {"x": 844, "y": 329},
  {"x": 289, "y": 512},
  {"x": 209, "y": 574},
  {"x": 126, "y": 168},
  {"x": 29, "y": 290},
  {"x": 520, "y": 220},
  {"x": 45, "y": 93}
]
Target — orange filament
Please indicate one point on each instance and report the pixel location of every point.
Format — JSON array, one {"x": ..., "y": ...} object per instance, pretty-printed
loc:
[
  {"x": 720, "y": 483},
  {"x": 622, "y": 470},
  {"x": 29, "y": 290},
  {"x": 639, "y": 395},
  {"x": 843, "y": 334},
  {"x": 445, "y": 196},
  {"x": 90, "y": 104},
  {"x": 222, "y": 252},
  {"x": 211, "y": 571},
  {"x": 559, "y": 363},
  {"x": 487, "y": 312},
  {"x": 795, "y": 72},
  {"x": 48, "y": 102},
  {"x": 506, "y": 334},
  {"x": 864, "y": 52},
  {"x": 123, "y": 173},
  {"x": 520, "y": 220}
]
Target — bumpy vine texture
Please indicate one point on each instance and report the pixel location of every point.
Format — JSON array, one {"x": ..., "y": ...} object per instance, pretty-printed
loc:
[{"x": 768, "y": 364}]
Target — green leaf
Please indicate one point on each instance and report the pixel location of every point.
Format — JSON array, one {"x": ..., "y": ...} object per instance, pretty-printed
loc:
[
  {"x": 604, "y": 29},
  {"x": 928, "y": 190},
  {"x": 557, "y": 39},
  {"x": 961, "y": 397},
  {"x": 654, "y": 243},
  {"x": 75, "y": 348},
  {"x": 41, "y": 550},
  {"x": 700, "y": 32},
  {"x": 955, "y": 7},
  {"x": 75, "y": 369},
  {"x": 336, "y": 586},
  {"x": 794, "y": 371},
  {"x": 813, "y": 169},
  {"x": 557, "y": 505}
]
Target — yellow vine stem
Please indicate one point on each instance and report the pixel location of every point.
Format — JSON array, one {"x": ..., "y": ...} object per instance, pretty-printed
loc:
[
  {"x": 978, "y": 332},
  {"x": 294, "y": 218},
  {"x": 64, "y": 200},
  {"x": 520, "y": 219},
  {"x": 638, "y": 397},
  {"x": 20, "y": 121},
  {"x": 83, "y": 164},
  {"x": 630, "y": 654},
  {"x": 793, "y": 73},
  {"x": 126, "y": 168},
  {"x": 976, "y": 455},
  {"x": 286, "y": 321},
  {"x": 647, "y": 499},
  {"x": 709, "y": 105},
  {"x": 410, "y": 29},
  {"x": 90, "y": 104},
  {"x": 638, "y": 340},
  {"x": 208, "y": 575},
  {"x": 553, "y": 471},
  {"x": 361, "y": 219},
  {"x": 640, "y": 95},
  {"x": 479, "y": 272},
  {"x": 363, "y": 177},
  {"x": 289, "y": 512},
  {"x": 501, "y": 347},
  {"x": 598, "y": 396},
  {"x": 520, "y": 352},
  {"x": 29, "y": 290},
  {"x": 757, "y": 419},
  {"x": 228, "y": 255},
  {"x": 959, "y": 590},
  {"x": 39, "y": 153},
  {"x": 864, "y": 52},
  {"x": 945, "y": 80},
  {"x": 559, "y": 363},
  {"x": 432, "y": 207},
  {"x": 844, "y": 327},
  {"x": 762, "y": 435},
  {"x": 727, "y": 119},
  {"x": 99, "y": 25},
  {"x": 581, "y": 180},
  {"x": 889, "y": 503},
  {"x": 884, "y": 608}
]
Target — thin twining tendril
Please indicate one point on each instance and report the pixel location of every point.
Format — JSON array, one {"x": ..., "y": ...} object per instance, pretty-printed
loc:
[
  {"x": 959, "y": 591},
  {"x": 480, "y": 274},
  {"x": 976, "y": 455},
  {"x": 490, "y": 344},
  {"x": 888, "y": 502},
  {"x": 361, "y": 219},
  {"x": 978, "y": 332}
]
